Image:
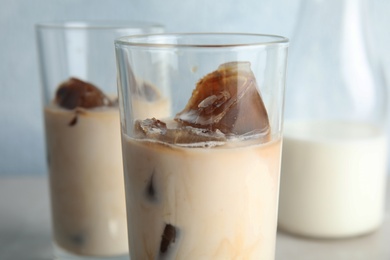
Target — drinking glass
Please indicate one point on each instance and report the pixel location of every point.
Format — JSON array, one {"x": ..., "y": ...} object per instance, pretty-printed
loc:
[
  {"x": 201, "y": 121},
  {"x": 82, "y": 130}
]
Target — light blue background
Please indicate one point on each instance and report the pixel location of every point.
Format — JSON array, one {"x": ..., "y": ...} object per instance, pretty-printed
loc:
[{"x": 21, "y": 125}]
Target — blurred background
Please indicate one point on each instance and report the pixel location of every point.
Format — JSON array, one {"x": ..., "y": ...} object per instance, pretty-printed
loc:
[{"x": 21, "y": 124}]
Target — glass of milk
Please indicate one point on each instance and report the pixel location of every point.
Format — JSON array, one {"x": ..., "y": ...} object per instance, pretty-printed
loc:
[{"x": 335, "y": 141}]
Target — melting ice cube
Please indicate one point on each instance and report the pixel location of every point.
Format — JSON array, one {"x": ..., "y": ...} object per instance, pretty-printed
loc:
[
  {"x": 177, "y": 134},
  {"x": 227, "y": 100},
  {"x": 75, "y": 93}
]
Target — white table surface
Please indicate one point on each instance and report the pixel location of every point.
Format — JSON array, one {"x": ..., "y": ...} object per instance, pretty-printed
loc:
[{"x": 25, "y": 230}]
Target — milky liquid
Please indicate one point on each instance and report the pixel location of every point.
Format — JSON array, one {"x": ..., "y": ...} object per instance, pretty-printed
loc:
[
  {"x": 86, "y": 180},
  {"x": 222, "y": 201},
  {"x": 86, "y": 177},
  {"x": 333, "y": 178}
]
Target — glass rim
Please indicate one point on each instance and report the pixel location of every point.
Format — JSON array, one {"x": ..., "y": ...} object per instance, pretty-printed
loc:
[
  {"x": 97, "y": 24},
  {"x": 127, "y": 40}
]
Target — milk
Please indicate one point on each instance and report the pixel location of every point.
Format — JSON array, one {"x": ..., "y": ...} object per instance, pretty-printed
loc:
[
  {"x": 86, "y": 177},
  {"x": 221, "y": 201},
  {"x": 333, "y": 178},
  {"x": 86, "y": 180}
]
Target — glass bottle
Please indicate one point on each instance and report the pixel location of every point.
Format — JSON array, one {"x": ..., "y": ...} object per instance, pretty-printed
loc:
[{"x": 335, "y": 143}]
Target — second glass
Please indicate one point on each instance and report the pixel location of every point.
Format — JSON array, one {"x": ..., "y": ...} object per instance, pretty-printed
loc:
[
  {"x": 201, "y": 119},
  {"x": 83, "y": 136}
]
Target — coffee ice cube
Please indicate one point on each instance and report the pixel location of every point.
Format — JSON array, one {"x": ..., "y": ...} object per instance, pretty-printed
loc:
[
  {"x": 142, "y": 89},
  {"x": 146, "y": 91},
  {"x": 150, "y": 191},
  {"x": 168, "y": 237},
  {"x": 227, "y": 100},
  {"x": 75, "y": 93},
  {"x": 177, "y": 134}
]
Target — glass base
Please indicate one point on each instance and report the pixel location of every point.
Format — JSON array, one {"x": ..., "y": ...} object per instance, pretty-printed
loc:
[{"x": 61, "y": 254}]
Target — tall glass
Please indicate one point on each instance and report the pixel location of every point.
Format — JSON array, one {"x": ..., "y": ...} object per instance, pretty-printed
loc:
[
  {"x": 201, "y": 118},
  {"x": 83, "y": 136}
]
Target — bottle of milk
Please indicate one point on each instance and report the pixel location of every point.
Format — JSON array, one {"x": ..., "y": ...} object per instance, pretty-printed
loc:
[{"x": 334, "y": 164}]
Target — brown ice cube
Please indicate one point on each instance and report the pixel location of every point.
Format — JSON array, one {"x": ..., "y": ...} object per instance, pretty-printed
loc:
[
  {"x": 146, "y": 91},
  {"x": 177, "y": 134},
  {"x": 168, "y": 237},
  {"x": 75, "y": 93},
  {"x": 142, "y": 89},
  {"x": 151, "y": 128},
  {"x": 227, "y": 100}
]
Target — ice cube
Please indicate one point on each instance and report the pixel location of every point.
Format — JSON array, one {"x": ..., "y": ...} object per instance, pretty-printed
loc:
[
  {"x": 147, "y": 91},
  {"x": 150, "y": 191},
  {"x": 168, "y": 237},
  {"x": 75, "y": 93},
  {"x": 150, "y": 128},
  {"x": 142, "y": 89},
  {"x": 177, "y": 134},
  {"x": 227, "y": 100}
]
